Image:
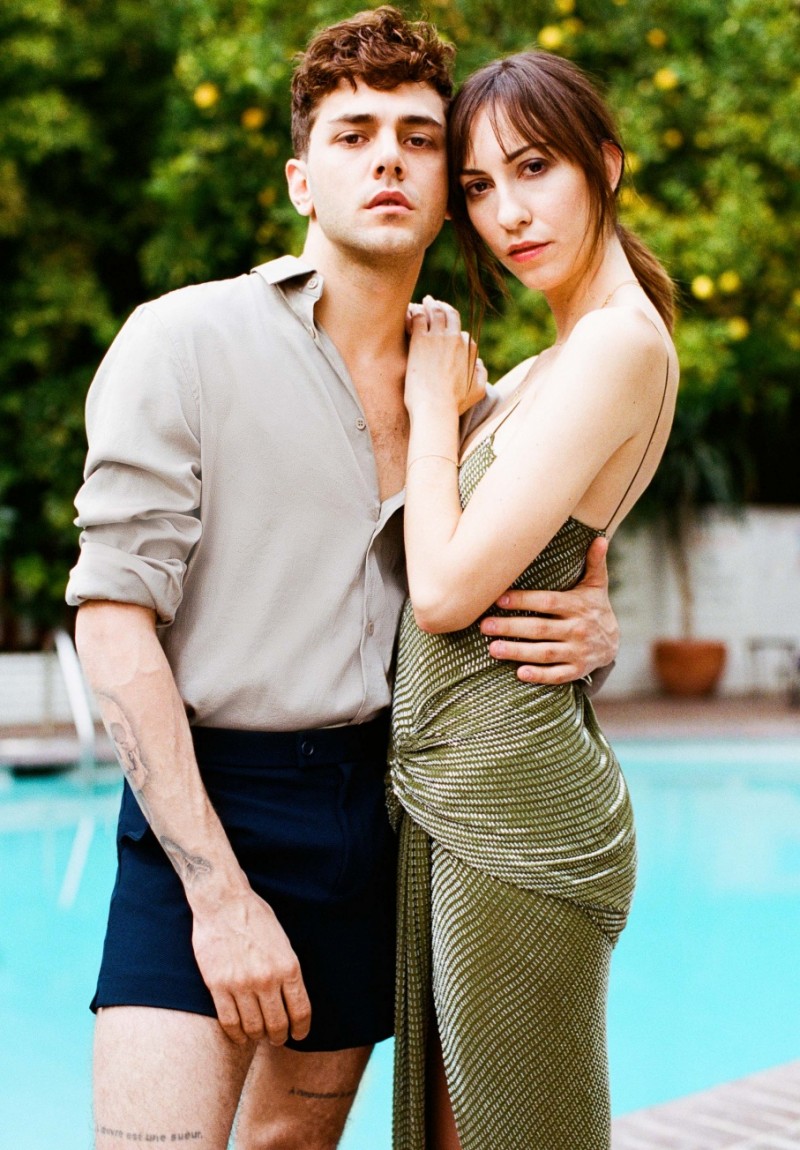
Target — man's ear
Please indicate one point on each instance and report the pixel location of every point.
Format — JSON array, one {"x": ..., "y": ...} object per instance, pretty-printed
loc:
[
  {"x": 614, "y": 160},
  {"x": 299, "y": 190}
]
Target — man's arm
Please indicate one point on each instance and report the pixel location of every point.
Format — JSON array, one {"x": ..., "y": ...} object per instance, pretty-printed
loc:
[
  {"x": 574, "y": 633},
  {"x": 244, "y": 956}
]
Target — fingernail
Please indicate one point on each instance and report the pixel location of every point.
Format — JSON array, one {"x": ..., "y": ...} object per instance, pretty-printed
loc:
[
  {"x": 502, "y": 601},
  {"x": 488, "y": 626}
]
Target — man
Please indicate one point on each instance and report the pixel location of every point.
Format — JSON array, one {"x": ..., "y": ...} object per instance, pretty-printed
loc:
[{"x": 240, "y": 582}]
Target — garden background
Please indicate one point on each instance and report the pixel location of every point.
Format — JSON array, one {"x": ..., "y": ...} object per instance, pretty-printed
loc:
[{"x": 142, "y": 147}]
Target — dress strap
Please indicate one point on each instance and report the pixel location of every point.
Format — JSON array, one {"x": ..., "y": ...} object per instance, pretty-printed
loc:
[
  {"x": 516, "y": 396},
  {"x": 652, "y": 433}
]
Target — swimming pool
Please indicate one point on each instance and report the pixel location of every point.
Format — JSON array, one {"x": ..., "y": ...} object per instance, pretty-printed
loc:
[{"x": 704, "y": 984}]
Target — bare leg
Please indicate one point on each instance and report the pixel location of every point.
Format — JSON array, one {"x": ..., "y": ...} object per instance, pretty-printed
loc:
[
  {"x": 442, "y": 1130},
  {"x": 165, "y": 1076},
  {"x": 295, "y": 1101}
]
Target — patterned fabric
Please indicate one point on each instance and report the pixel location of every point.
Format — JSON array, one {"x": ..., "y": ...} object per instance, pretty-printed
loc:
[{"x": 517, "y": 866}]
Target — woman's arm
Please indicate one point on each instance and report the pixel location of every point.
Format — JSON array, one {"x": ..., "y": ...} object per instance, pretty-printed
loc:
[{"x": 602, "y": 392}]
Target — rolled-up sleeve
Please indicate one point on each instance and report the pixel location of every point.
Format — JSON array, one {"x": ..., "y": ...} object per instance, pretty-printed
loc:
[{"x": 139, "y": 506}]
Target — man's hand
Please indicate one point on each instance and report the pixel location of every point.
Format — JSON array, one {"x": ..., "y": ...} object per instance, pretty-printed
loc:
[
  {"x": 573, "y": 633},
  {"x": 253, "y": 974}
]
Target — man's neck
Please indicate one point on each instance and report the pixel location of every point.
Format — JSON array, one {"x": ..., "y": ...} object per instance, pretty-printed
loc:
[{"x": 363, "y": 306}]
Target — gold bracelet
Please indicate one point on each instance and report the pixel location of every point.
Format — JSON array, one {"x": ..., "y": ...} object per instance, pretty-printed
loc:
[{"x": 416, "y": 459}]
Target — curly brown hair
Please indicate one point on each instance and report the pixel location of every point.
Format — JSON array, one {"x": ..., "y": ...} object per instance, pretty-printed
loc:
[{"x": 381, "y": 48}]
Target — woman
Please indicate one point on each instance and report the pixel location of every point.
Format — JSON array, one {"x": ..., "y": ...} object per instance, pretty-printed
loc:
[{"x": 517, "y": 842}]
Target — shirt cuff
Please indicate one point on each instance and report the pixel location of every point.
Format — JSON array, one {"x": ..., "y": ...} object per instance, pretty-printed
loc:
[{"x": 109, "y": 573}]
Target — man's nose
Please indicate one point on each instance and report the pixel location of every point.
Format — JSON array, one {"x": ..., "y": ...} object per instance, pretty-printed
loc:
[{"x": 389, "y": 156}]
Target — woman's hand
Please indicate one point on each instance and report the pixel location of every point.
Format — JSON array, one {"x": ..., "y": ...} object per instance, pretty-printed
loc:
[{"x": 443, "y": 367}]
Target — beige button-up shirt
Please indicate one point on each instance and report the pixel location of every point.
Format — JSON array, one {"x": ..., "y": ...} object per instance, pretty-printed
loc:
[{"x": 230, "y": 485}]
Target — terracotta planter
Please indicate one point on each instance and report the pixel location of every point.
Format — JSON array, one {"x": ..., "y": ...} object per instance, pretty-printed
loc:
[{"x": 689, "y": 666}]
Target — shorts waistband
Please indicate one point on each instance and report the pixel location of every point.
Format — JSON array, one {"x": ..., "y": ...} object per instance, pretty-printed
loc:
[{"x": 299, "y": 748}]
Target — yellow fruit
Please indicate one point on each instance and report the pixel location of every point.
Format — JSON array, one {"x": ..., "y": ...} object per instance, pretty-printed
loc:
[
  {"x": 253, "y": 119},
  {"x": 729, "y": 282},
  {"x": 702, "y": 287},
  {"x": 551, "y": 37},
  {"x": 665, "y": 79},
  {"x": 206, "y": 95}
]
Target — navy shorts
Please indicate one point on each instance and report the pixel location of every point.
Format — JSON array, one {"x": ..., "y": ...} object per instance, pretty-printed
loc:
[{"x": 305, "y": 814}]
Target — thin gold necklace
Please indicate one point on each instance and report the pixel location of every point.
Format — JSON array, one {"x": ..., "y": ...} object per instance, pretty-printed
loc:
[{"x": 614, "y": 291}]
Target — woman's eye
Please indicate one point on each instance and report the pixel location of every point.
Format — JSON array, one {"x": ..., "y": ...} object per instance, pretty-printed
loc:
[
  {"x": 534, "y": 167},
  {"x": 476, "y": 188}
]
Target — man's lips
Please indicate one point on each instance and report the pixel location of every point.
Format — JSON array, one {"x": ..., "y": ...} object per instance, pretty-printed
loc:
[
  {"x": 390, "y": 200},
  {"x": 520, "y": 253}
]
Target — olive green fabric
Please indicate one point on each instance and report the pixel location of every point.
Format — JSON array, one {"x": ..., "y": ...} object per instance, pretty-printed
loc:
[{"x": 517, "y": 866}]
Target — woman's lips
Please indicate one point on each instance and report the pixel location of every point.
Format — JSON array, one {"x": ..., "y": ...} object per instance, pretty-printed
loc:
[{"x": 522, "y": 253}]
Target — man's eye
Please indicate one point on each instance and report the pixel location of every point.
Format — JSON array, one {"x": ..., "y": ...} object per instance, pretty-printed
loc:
[{"x": 420, "y": 141}]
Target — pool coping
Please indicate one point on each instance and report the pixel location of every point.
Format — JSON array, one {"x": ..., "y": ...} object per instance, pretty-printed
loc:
[{"x": 759, "y": 1112}]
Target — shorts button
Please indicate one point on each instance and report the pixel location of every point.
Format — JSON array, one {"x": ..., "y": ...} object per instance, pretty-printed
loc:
[{"x": 307, "y": 747}]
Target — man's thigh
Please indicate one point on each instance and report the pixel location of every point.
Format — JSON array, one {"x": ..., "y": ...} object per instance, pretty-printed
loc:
[
  {"x": 298, "y": 1101},
  {"x": 164, "y": 1076}
]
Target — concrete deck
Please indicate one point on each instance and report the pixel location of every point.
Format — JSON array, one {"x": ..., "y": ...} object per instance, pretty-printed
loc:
[
  {"x": 760, "y": 1112},
  {"x": 670, "y": 717}
]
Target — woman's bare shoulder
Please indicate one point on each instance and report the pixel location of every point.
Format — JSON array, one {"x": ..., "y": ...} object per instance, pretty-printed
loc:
[
  {"x": 512, "y": 379},
  {"x": 624, "y": 342}
]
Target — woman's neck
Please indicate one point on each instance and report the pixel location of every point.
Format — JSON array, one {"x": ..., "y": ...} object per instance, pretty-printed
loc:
[{"x": 590, "y": 290}]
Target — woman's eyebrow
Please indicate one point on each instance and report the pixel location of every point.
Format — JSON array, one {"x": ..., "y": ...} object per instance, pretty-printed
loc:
[{"x": 508, "y": 158}]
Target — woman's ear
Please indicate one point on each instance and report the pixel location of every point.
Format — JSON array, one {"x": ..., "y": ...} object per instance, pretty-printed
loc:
[
  {"x": 299, "y": 189},
  {"x": 614, "y": 160}
]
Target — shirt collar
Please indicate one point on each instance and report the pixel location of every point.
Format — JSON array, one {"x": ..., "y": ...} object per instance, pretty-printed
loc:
[{"x": 286, "y": 268}]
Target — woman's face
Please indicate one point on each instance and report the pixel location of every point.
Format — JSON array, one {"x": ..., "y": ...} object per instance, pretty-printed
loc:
[{"x": 531, "y": 207}]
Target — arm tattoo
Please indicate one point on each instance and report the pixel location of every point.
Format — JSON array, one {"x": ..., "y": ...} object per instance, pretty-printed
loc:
[
  {"x": 136, "y": 770},
  {"x": 189, "y": 867}
]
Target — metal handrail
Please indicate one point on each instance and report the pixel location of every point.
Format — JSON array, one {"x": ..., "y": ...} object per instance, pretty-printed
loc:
[{"x": 78, "y": 697}]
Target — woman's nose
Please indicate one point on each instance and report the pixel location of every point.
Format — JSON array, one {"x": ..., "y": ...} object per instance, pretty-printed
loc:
[{"x": 512, "y": 211}]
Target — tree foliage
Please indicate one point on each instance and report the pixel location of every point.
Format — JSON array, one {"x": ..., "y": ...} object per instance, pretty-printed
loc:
[{"x": 142, "y": 147}]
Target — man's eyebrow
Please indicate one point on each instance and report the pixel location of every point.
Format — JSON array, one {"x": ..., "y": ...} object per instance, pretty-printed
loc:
[{"x": 411, "y": 120}]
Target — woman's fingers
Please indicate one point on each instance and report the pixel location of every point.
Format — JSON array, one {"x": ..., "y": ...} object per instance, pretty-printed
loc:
[{"x": 442, "y": 317}]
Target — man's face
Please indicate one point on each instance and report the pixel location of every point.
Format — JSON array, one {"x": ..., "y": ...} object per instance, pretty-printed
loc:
[{"x": 374, "y": 180}]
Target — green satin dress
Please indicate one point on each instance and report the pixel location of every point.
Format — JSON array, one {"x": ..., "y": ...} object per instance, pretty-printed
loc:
[{"x": 517, "y": 867}]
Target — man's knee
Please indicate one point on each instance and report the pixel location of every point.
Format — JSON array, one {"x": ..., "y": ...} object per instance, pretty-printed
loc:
[{"x": 287, "y": 1134}]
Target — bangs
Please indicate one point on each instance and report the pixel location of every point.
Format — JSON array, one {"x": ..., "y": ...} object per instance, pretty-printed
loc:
[
  {"x": 513, "y": 127},
  {"x": 532, "y": 97}
]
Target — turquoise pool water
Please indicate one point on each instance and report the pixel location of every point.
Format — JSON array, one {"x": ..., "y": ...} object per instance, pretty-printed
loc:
[{"x": 704, "y": 984}]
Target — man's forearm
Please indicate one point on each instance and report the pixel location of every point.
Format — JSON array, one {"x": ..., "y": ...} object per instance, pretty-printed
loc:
[
  {"x": 243, "y": 954},
  {"x": 144, "y": 715}
]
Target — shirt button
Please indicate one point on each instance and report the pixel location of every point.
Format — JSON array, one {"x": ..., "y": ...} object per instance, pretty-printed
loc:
[
  {"x": 361, "y": 423},
  {"x": 312, "y": 331},
  {"x": 370, "y": 628},
  {"x": 312, "y": 283}
]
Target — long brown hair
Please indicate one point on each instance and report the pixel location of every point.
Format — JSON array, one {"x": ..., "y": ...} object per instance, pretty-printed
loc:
[{"x": 552, "y": 103}]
